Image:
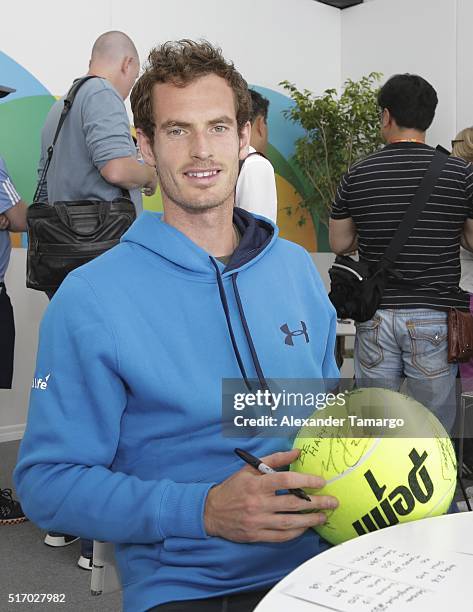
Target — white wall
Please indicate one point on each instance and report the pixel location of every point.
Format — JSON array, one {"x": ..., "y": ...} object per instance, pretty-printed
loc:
[
  {"x": 464, "y": 71},
  {"x": 269, "y": 40},
  {"x": 417, "y": 36}
]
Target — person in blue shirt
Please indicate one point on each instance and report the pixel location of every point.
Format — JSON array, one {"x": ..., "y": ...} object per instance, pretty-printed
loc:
[
  {"x": 124, "y": 440},
  {"x": 12, "y": 219}
]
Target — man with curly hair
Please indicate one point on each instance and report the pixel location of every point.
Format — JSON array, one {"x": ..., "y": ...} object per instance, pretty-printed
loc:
[{"x": 136, "y": 345}]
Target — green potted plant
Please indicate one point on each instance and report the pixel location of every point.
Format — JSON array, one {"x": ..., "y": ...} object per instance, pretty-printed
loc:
[{"x": 340, "y": 129}]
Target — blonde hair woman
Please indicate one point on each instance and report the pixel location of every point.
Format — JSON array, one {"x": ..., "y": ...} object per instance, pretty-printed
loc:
[{"x": 462, "y": 146}]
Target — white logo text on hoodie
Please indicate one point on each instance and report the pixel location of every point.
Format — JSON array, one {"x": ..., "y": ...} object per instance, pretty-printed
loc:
[{"x": 40, "y": 383}]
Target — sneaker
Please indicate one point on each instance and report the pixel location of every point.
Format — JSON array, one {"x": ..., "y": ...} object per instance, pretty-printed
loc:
[
  {"x": 53, "y": 538},
  {"x": 85, "y": 562},
  {"x": 10, "y": 510}
]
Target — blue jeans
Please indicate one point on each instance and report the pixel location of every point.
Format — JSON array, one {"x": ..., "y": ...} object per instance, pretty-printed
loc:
[{"x": 409, "y": 345}]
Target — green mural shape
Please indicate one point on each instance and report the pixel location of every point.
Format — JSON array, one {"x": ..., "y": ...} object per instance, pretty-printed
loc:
[{"x": 21, "y": 121}]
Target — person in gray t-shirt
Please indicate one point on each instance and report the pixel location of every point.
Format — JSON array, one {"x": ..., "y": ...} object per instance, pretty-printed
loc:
[{"x": 95, "y": 157}]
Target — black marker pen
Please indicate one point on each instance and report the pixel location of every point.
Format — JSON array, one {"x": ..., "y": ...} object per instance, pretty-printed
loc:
[{"x": 265, "y": 469}]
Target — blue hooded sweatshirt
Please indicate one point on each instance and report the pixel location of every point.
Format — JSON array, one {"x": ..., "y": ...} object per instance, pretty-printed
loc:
[{"x": 124, "y": 438}]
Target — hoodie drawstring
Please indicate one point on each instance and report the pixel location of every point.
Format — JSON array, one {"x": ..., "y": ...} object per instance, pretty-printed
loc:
[
  {"x": 223, "y": 299},
  {"x": 249, "y": 339}
]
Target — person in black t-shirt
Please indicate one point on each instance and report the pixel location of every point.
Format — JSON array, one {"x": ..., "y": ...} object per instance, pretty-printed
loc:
[{"x": 407, "y": 337}]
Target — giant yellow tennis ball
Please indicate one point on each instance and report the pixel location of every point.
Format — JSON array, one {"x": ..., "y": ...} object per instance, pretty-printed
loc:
[{"x": 397, "y": 473}]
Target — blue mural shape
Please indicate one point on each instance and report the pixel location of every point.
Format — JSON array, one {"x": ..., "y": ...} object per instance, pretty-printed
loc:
[{"x": 14, "y": 75}]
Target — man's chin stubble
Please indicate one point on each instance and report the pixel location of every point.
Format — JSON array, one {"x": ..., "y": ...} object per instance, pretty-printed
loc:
[{"x": 196, "y": 208}]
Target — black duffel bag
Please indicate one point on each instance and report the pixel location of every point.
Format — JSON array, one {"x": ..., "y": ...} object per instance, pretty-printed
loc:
[
  {"x": 65, "y": 235},
  {"x": 356, "y": 288}
]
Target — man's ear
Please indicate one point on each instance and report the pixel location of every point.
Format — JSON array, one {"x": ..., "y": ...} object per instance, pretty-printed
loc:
[
  {"x": 387, "y": 118},
  {"x": 245, "y": 135},
  {"x": 125, "y": 64},
  {"x": 146, "y": 148},
  {"x": 259, "y": 125}
]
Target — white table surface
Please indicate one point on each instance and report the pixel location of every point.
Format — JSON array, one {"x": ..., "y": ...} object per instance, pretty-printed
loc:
[
  {"x": 432, "y": 536},
  {"x": 346, "y": 327}
]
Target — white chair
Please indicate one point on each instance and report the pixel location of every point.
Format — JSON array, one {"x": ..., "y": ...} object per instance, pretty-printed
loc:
[{"x": 105, "y": 578}]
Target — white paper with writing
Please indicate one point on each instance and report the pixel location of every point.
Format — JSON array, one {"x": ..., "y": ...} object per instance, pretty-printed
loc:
[{"x": 381, "y": 578}]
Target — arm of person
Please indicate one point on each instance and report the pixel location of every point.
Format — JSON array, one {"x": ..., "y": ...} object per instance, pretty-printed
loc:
[
  {"x": 343, "y": 236},
  {"x": 64, "y": 477},
  {"x": 16, "y": 216},
  {"x": 12, "y": 207},
  {"x": 342, "y": 231},
  {"x": 128, "y": 173},
  {"x": 108, "y": 139},
  {"x": 256, "y": 188},
  {"x": 466, "y": 239}
]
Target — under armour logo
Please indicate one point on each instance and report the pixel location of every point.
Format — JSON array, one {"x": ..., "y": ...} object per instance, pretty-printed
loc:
[{"x": 298, "y": 332}]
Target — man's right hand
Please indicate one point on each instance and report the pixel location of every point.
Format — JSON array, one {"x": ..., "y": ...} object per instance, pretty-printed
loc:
[{"x": 245, "y": 508}]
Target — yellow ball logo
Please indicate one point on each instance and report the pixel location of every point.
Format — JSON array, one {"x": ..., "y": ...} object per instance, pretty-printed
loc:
[{"x": 386, "y": 477}]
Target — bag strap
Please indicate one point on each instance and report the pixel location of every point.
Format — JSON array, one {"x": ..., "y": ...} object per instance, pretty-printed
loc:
[
  {"x": 68, "y": 100},
  {"x": 418, "y": 204}
]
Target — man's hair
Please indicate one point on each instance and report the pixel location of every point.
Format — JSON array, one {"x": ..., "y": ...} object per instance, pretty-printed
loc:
[
  {"x": 113, "y": 45},
  {"x": 180, "y": 63},
  {"x": 463, "y": 144},
  {"x": 410, "y": 99},
  {"x": 259, "y": 106}
]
